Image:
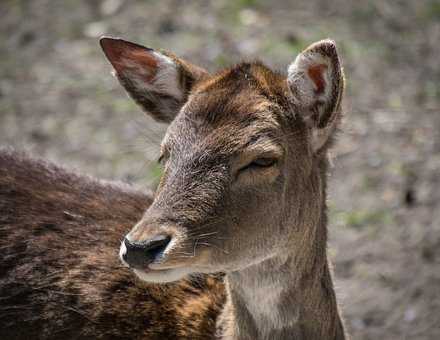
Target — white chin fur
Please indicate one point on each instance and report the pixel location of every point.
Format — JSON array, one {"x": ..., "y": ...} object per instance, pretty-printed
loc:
[
  {"x": 162, "y": 276},
  {"x": 122, "y": 252}
]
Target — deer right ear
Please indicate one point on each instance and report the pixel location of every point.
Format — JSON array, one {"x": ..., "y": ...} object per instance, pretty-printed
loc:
[{"x": 158, "y": 82}]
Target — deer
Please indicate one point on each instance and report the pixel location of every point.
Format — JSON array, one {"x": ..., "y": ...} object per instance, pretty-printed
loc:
[{"x": 232, "y": 243}]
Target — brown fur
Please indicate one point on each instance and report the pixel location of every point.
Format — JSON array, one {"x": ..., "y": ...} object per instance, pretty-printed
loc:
[{"x": 60, "y": 277}]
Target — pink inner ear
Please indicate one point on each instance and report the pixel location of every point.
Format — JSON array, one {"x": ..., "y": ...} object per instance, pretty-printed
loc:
[
  {"x": 125, "y": 56},
  {"x": 316, "y": 73}
]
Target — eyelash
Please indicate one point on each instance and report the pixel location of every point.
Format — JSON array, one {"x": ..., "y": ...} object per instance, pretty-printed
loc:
[{"x": 259, "y": 163}]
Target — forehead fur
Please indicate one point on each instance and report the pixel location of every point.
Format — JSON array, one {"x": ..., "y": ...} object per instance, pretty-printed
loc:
[
  {"x": 231, "y": 109},
  {"x": 238, "y": 91},
  {"x": 238, "y": 95}
]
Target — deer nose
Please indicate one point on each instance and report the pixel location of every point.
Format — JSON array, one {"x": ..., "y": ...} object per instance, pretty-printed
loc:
[{"x": 140, "y": 254}]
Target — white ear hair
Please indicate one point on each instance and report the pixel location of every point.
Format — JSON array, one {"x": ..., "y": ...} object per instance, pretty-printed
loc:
[
  {"x": 165, "y": 79},
  {"x": 308, "y": 91}
]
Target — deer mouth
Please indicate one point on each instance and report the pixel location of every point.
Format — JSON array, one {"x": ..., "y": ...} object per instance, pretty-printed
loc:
[
  {"x": 160, "y": 259},
  {"x": 162, "y": 275}
]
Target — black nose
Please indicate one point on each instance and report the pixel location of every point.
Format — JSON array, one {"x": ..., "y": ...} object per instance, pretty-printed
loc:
[{"x": 140, "y": 254}]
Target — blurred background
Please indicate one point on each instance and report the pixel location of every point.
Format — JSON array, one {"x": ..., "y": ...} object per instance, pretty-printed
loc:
[{"x": 58, "y": 100}]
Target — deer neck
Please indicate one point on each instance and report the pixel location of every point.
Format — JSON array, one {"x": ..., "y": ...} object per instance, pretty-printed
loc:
[
  {"x": 270, "y": 301},
  {"x": 289, "y": 296}
]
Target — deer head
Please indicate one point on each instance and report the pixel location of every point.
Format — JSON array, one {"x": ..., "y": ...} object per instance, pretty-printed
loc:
[{"x": 242, "y": 157}]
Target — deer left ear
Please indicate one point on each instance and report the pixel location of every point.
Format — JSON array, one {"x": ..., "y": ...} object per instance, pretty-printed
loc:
[
  {"x": 159, "y": 82},
  {"x": 316, "y": 84}
]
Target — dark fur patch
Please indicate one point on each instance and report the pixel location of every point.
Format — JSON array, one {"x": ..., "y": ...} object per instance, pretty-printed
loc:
[{"x": 60, "y": 276}]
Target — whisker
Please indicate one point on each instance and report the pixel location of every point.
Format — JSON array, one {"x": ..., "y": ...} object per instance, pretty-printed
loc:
[{"x": 214, "y": 246}]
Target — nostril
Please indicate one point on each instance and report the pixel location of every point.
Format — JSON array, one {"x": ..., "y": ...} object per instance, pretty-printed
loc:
[
  {"x": 158, "y": 243},
  {"x": 140, "y": 254}
]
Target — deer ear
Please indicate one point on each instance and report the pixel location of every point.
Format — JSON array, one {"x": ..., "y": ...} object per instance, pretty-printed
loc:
[
  {"x": 316, "y": 84},
  {"x": 158, "y": 81}
]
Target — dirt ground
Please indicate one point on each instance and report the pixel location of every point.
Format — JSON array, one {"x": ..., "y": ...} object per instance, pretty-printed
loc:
[{"x": 58, "y": 100}]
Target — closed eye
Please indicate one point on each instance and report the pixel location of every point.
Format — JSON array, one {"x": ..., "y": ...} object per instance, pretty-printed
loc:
[{"x": 259, "y": 164}]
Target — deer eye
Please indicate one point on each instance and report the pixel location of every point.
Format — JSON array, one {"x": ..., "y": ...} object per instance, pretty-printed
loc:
[{"x": 260, "y": 163}]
